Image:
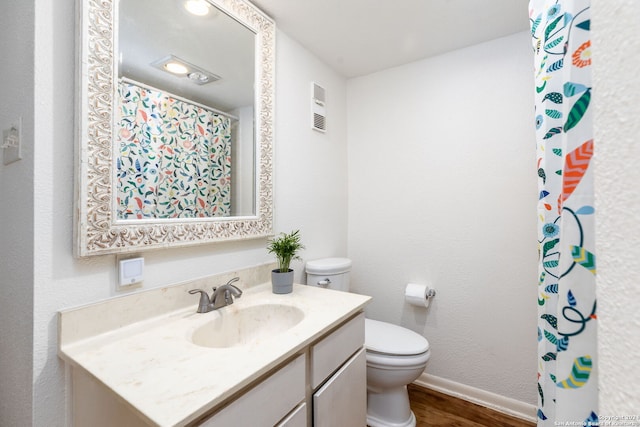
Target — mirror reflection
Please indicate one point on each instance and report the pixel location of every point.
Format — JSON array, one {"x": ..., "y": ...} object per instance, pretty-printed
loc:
[{"x": 184, "y": 134}]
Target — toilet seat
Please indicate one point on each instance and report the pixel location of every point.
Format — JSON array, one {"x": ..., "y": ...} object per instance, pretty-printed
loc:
[
  {"x": 388, "y": 362},
  {"x": 384, "y": 338}
]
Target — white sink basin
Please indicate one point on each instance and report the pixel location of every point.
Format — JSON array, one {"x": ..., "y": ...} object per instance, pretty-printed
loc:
[{"x": 237, "y": 326}]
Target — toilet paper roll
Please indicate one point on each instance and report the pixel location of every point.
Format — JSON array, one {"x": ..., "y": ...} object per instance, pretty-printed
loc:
[{"x": 417, "y": 295}]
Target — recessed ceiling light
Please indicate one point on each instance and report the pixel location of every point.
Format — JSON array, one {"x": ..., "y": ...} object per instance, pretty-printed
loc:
[
  {"x": 198, "y": 77},
  {"x": 197, "y": 7},
  {"x": 176, "y": 68},
  {"x": 181, "y": 68}
]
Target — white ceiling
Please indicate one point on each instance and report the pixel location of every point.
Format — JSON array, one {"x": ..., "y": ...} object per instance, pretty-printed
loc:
[
  {"x": 150, "y": 30},
  {"x": 359, "y": 37}
]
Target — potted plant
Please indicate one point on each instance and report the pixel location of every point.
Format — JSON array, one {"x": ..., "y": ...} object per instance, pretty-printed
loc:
[{"x": 285, "y": 247}]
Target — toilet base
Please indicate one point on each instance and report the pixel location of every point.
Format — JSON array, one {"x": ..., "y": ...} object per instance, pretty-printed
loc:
[
  {"x": 389, "y": 408},
  {"x": 374, "y": 422}
]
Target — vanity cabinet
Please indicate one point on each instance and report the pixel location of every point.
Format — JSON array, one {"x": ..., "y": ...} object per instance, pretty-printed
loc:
[
  {"x": 145, "y": 375},
  {"x": 337, "y": 379}
]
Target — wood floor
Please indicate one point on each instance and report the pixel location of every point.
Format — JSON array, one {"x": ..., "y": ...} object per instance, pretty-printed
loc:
[{"x": 433, "y": 409}]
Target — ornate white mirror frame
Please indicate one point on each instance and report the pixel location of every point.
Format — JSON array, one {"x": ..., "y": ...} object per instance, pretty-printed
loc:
[{"x": 98, "y": 229}]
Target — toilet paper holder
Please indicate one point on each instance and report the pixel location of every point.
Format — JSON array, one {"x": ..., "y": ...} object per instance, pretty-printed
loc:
[{"x": 419, "y": 295}]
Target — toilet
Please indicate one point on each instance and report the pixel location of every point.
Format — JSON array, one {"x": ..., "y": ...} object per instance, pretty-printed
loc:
[{"x": 396, "y": 356}]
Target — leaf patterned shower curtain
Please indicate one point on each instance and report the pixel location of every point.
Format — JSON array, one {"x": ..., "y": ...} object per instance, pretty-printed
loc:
[
  {"x": 174, "y": 159},
  {"x": 567, "y": 377}
]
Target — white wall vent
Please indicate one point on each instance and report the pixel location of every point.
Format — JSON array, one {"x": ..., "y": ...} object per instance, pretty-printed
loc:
[{"x": 318, "y": 111}]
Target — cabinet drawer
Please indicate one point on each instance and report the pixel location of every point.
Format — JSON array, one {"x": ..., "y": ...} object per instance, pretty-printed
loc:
[
  {"x": 268, "y": 402},
  {"x": 330, "y": 353}
]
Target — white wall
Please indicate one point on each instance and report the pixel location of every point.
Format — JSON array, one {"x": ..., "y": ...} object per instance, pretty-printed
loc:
[
  {"x": 617, "y": 155},
  {"x": 58, "y": 280},
  {"x": 16, "y": 215},
  {"x": 311, "y": 174},
  {"x": 442, "y": 186}
]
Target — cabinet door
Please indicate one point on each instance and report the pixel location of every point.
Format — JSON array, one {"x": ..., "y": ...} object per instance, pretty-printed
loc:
[{"x": 342, "y": 400}]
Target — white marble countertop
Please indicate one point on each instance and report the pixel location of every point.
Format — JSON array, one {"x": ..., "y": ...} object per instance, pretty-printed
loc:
[{"x": 154, "y": 367}]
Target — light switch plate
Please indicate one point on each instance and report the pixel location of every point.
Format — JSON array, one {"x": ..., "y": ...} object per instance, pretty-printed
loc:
[{"x": 12, "y": 142}]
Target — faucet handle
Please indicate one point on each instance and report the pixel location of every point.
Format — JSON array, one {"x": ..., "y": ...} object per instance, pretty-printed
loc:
[
  {"x": 230, "y": 290},
  {"x": 203, "y": 305},
  {"x": 235, "y": 279},
  {"x": 237, "y": 292},
  {"x": 202, "y": 293}
]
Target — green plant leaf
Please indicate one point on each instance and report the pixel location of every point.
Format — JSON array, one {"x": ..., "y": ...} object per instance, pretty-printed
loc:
[{"x": 286, "y": 248}]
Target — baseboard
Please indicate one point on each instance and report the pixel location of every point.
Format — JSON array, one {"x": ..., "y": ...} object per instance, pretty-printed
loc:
[{"x": 480, "y": 397}]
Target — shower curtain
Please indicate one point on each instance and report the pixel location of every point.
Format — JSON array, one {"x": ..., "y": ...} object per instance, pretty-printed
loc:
[
  {"x": 174, "y": 159},
  {"x": 567, "y": 378}
]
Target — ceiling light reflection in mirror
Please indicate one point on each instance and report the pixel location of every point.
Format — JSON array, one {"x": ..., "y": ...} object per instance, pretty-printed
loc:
[{"x": 197, "y": 7}]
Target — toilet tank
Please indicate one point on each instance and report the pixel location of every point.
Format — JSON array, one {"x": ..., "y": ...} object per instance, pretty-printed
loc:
[{"x": 331, "y": 273}]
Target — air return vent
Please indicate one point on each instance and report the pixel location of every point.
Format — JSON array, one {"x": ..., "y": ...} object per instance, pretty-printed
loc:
[{"x": 318, "y": 112}]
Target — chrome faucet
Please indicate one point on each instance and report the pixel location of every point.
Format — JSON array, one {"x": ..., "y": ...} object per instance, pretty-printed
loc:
[{"x": 221, "y": 297}]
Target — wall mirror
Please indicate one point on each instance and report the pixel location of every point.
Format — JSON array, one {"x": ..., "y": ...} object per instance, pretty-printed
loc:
[{"x": 175, "y": 124}]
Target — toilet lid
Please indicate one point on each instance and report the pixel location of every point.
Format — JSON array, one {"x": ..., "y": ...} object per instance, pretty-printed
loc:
[
  {"x": 387, "y": 338},
  {"x": 328, "y": 266}
]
